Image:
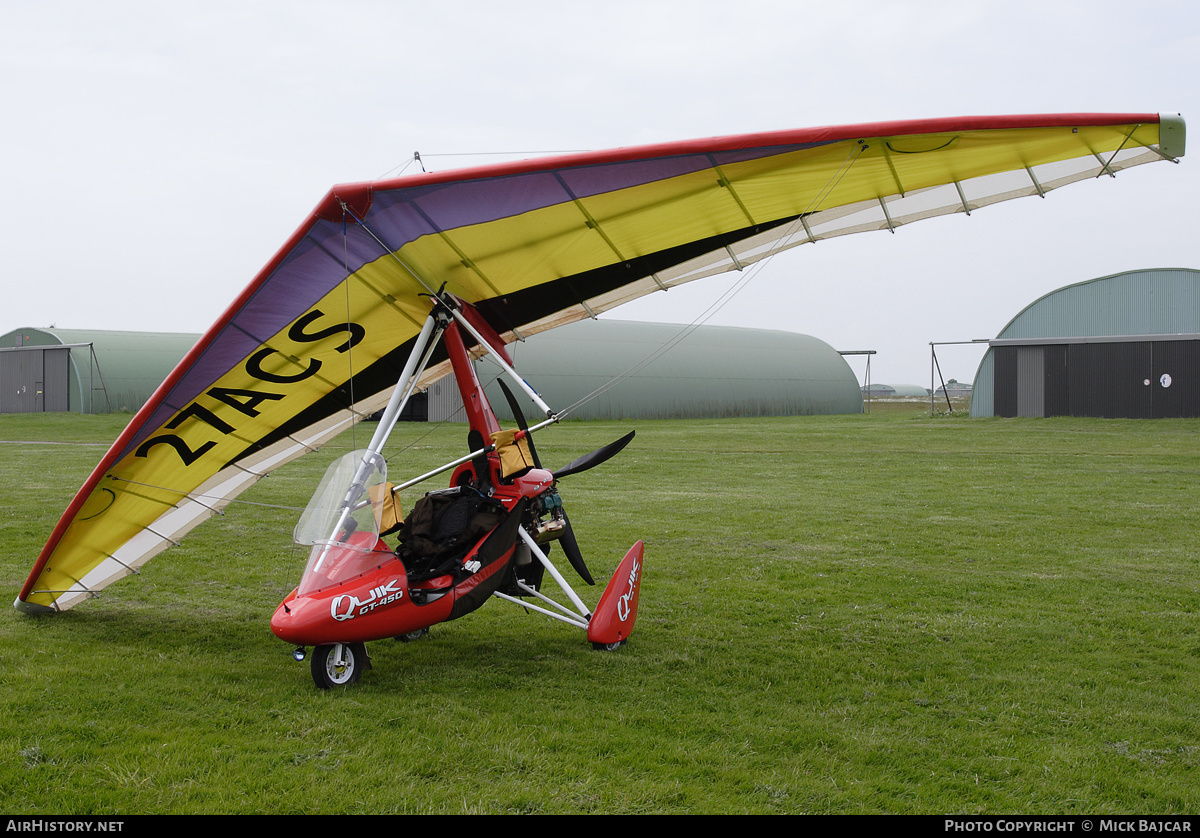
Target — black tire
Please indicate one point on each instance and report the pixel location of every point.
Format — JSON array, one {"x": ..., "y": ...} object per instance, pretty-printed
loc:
[
  {"x": 328, "y": 672},
  {"x": 608, "y": 647},
  {"x": 413, "y": 636}
]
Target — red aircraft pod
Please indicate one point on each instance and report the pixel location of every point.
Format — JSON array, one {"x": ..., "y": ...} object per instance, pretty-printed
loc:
[
  {"x": 373, "y": 604},
  {"x": 612, "y": 621}
]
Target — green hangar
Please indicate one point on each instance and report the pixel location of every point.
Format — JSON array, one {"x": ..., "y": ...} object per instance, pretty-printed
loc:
[
  {"x": 616, "y": 369},
  {"x": 85, "y": 371},
  {"x": 602, "y": 369}
]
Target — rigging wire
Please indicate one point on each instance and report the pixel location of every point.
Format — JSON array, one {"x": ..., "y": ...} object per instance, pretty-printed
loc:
[
  {"x": 777, "y": 247},
  {"x": 507, "y": 153},
  {"x": 654, "y": 355},
  {"x": 452, "y": 417},
  {"x": 350, "y": 346},
  {"x": 418, "y": 158},
  {"x": 706, "y": 315},
  {"x": 196, "y": 496}
]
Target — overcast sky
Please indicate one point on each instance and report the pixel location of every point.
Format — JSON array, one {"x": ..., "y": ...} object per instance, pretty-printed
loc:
[{"x": 156, "y": 155}]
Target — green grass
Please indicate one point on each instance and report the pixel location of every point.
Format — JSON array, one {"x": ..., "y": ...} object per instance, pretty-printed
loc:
[{"x": 882, "y": 613}]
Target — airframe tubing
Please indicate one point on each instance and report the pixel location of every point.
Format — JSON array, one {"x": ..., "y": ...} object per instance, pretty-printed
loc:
[
  {"x": 539, "y": 595},
  {"x": 568, "y": 619},
  {"x": 463, "y": 459},
  {"x": 396, "y": 404},
  {"x": 401, "y": 393},
  {"x": 520, "y": 382},
  {"x": 386, "y": 423},
  {"x": 562, "y": 583}
]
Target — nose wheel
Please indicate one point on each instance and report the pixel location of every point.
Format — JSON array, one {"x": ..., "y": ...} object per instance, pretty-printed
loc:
[{"x": 338, "y": 664}]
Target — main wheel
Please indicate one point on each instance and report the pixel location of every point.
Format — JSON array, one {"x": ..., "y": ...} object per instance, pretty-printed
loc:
[
  {"x": 329, "y": 669},
  {"x": 608, "y": 647},
  {"x": 413, "y": 636}
]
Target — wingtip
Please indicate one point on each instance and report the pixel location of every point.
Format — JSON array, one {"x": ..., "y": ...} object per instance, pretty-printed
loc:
[
  {"x": 1172, "y": 135},
  {"x": 32, "y": 607}
]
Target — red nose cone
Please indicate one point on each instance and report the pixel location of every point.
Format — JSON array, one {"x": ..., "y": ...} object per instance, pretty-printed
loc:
[{"x": 283, "y": 622}]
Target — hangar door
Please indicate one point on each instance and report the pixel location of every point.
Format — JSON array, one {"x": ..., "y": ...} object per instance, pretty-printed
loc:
[
  {"x": 1129, "y": 379},
  {"x": 35, "y": 379}
]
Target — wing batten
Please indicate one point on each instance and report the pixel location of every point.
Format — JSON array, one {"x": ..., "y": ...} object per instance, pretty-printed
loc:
[
  {"x": 533, "y": 245},
  {"x": 724, "y": 182},
  {"x": 892, "y": 168}
]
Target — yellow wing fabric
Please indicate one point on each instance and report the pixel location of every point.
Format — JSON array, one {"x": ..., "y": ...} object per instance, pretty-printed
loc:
[{"x": 315, "y": 341}]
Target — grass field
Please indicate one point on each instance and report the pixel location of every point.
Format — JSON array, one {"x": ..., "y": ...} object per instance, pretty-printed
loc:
[{"x": 882, "y": 613}]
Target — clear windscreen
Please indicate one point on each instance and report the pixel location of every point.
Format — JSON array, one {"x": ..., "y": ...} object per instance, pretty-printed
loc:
[
  {"x": 341, "y": 522},
  {"x": 342, "y": 504}
]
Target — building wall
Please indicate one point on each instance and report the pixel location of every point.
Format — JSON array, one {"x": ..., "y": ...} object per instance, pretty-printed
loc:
[
  {"x": 35, "y": 380},
  {"x": 1098, "y": 348},
  {"x": 104, "y": 370},
  {"x": 1129, "y": 379}
]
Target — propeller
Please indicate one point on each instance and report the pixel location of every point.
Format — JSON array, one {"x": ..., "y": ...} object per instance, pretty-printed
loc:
[
  {"x": 571, "y": 548},
  {"x": 595, "y": 458},
  {"x": 567, "y": 539}
]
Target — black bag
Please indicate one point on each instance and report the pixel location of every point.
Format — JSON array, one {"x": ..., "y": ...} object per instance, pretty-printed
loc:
[{"x": 445, "y": 525}]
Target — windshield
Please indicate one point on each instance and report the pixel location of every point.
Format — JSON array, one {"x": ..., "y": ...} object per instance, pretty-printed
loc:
[
  {"x": 341, "y": 522},
  {"x": 342, "y": 503}
]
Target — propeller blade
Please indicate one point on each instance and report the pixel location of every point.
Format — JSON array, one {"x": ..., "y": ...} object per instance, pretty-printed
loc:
[
  {"x": 571, "y": 548},
  {"x": 569, "y": 545},
  {"x": 595, "y": 458},
  {"x": 515, "y": 407}
]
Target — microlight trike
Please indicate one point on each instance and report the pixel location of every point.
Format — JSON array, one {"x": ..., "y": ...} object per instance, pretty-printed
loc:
[
  {"x": 313, "y": 343},
  {"x": 485, "y": 536}
]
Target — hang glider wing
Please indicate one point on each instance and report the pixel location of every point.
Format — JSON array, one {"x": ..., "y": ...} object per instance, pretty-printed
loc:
[{"x": 532, "y": 245}]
